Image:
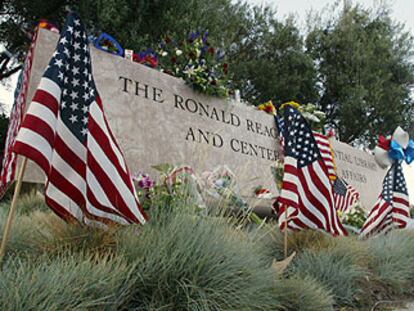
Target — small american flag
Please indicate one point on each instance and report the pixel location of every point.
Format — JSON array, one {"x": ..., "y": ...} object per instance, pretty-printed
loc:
[
  {"x": 307, "y": 189},
  {"x": 344, "y": 194},
  {"x": 392, "y": 209},
  {"x": 8, "y": 168},
  {"x": 325, "y": 148},
  {"x": 66, "y": 133}
]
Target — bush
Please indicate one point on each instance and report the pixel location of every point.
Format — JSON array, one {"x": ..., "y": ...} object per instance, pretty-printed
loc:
[
  {"x": 337, "y": 270},
  {"x": 303, "y": 294},
  {"x": 392, "y": 262},
  {"x": 197, "y": 263},
  {"x": 64, "y": 283}
]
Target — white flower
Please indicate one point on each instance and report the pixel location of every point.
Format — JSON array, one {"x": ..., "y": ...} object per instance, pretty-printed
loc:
[
  {"x": 164, "y": 53},
  {"x": 178, "y": 52},
  {"x": 310, "y": 117}
]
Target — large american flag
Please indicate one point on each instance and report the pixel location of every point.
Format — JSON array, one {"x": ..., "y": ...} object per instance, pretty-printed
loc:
[
  {"x": 345, "y": 195},
  {"x": 322, "y": 141},
  {"x": 66, "y": 133},
  {"x": 392, "y": 209},
  {"x": 307, "y": 189},
  {"x": 8, "y": 168}
]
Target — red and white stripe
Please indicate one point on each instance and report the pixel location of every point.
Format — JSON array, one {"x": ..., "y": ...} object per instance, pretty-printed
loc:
[
  {"x": 326, "y": 152},
  {"x": 385, "y": 216},
  {"x": 307, "y": 192},
  {"x": 8, "y": 169},
  {"x": 88, "y": 182},
  {"x": 344, "y": 203}
]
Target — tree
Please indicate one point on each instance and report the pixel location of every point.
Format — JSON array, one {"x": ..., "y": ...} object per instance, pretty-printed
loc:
[
  {"x": 266, "y": 57},
  {"x": 17, "y": 20},
  {"x": 269, "y": 61},
  {"x": 365, "y": 72}
]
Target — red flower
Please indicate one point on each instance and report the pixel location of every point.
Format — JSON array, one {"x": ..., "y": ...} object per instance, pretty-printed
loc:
[
  {"x": 173, "y": 59},
  {"x": 383, "y": 142},
  {"x": 225, "y": 68},
  {"x": 211, "y": 50},
  {"x": 152, "y": 61}
]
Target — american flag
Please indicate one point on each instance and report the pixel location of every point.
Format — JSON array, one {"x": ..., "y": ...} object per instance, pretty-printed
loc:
[
  {"x": 307, "y": 189},
  {"x": 66, "y": 133},
  {"x": 345, "y": 195},
  {"x": 327, "y": 153},
  {"x": 8, "y": 168},
  {"x": 322, "y": 141},
  {"x": 392, "y": 209}
]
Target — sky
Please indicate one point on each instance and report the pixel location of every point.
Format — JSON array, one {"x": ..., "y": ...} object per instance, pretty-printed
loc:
[{"x": 401, "y": 10}]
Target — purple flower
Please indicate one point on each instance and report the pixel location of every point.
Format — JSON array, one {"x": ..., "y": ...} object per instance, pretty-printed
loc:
[
  {"x": 144, "y": 181},
  {"x": 205, "y": 36}
]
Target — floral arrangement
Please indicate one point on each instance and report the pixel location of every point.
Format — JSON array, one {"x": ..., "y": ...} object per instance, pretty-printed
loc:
[
  {"x": 267, "y": 107},
  {"x": 145, "y": 187},
  {"x": 195, "y": 61},
  {"x": 263, "y": 193},
  {"x": 147, "y": 57},
  {"x": 315, "y": 117},
  {"x": 355, "y": 217}
]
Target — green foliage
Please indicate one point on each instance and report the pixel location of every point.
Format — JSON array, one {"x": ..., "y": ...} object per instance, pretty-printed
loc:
[
  {"x": 197, "y": 263},
  {"x": 182, "y": 260},
  {"x": 365, "y": 71},
  {"x": 355, "y": 217},
  {"x": 196, "y": 62},
  {"x": 337, "y": 271},
  {"x": 355, "y": 62},
  {"x": 64, "y": 283},
  {"x": 392, "y": 262},
  {"x": 303, "y": 294}
]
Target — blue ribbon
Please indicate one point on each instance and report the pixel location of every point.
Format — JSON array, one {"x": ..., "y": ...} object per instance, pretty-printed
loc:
[
  {"x": 104, "y": 36},
  {"x": 409, "y": 152},
  {"x": 397, "y": 153}
]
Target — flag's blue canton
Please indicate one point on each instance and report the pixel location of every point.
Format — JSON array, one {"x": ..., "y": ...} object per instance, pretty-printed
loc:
[
  {"x": 280, "y": 123},
  {"x": 339, "y": 187},
  {"x": 299, "y": 139},
  {"x": 70, "y": 68},
  {"x": 394, "y": 182}
]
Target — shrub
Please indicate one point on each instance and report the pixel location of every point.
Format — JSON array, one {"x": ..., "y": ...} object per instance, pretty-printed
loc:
[
  {"x": 337, "y": 270},
  {"x": 197, "y": 263},
  {"x": 44, "y": 233},
  {"x": 392, "y": 262},
  {"x": 303, "y": 294},
  {"x": 64, "y": 283}
]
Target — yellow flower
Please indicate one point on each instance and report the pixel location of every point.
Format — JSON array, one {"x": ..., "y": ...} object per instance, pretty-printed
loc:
[
  {"x": 267, "y": 107},
  {"x": 291, "y": 103}
]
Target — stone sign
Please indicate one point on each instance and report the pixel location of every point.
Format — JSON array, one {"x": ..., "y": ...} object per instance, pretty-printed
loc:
[
  {"x": 157, "y": 119},
  {"x": 360, "y": 170}
]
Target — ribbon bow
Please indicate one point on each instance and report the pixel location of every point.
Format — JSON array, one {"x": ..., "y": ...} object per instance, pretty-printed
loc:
[{"x": 396, "y": 148}]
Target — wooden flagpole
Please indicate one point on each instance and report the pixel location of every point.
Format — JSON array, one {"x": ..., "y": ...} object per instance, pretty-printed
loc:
[
  {"x": 7, "y": 227},
  {"x": 286, "y": 232}
]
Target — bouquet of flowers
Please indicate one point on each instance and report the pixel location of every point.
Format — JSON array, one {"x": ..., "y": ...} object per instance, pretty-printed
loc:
[
  {"x": 195, "y": 61},
  {"x": 355, "y": 217}
]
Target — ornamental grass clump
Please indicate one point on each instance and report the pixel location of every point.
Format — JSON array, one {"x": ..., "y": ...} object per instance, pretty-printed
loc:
[
  {"x": 339, "y": 268},
  {"x": 64, "y": 283},
  {"x": 197, "y": 263},
  {"x": 40, "y": 231},
  {"x": 304, "y": 294},
  {"x": 392, "y": 263}
]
